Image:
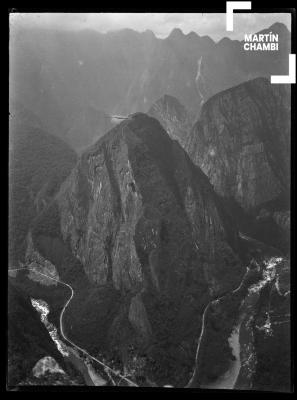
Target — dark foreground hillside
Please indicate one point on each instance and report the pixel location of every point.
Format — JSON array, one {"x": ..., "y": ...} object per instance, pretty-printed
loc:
[
  {"x": 138, "y": 221},
  {"x": 38, "y": 164}
]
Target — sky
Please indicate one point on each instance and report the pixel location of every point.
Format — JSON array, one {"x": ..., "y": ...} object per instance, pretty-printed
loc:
[{"x": 213, "y": 25}]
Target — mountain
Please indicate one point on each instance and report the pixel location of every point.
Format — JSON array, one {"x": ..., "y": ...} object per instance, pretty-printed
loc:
[
  {"x": 38, "y": 163},
  {"x": 73, "y": 80},
  {"x": 173, "y": 116},
  {"x": 87, "y": 126},
  {"x": 163, "y": 228},
  {"x": 144, "y": 240},
  {"x": 273, "y": 344},
  {"x": 254, "y": 322},
  {"x": 227, "y": 64},
  {"x": 242, "y": 143},
  {"x": 28, "y": 339}
]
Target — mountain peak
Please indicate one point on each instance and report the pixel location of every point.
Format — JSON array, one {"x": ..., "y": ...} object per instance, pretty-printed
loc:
[
  {"x": 138, "y": 123},
  {"x": 253, "y": 112},
  {"x": 138, "y": 116},
  {"x": 168, "y": 98},
  {"x": 207, "y": 39},
  {"x": 225, "y": 41},
  {"x": 170, "y": 101},
  {"x": 173, "y": 116},
  {"x": 176, "y": 33},
  {"x": 255, "y": 82},
  {"x": 149, "y": 33},
  {"x": 192, "y": 35},
  {"x": 278, "y": 27}
]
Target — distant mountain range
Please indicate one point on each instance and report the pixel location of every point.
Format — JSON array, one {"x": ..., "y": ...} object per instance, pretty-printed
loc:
[
  {"x": 140, "y": 233},
  {"x": 72, "y": 80},
  {"x": 158, "y": 216},
  {"x": 38, "y": 164}
]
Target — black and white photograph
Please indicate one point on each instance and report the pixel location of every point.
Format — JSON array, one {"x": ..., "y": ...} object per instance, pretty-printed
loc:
[{"x": 149, "y": 201}]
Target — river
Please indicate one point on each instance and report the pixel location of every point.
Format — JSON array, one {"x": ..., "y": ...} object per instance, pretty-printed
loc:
[
  {"x": 91, "y": 378},
  {"x": 78, "y": 356},
  {"x": 83, "y": 360},
  {"x": 229, "y": 379}
]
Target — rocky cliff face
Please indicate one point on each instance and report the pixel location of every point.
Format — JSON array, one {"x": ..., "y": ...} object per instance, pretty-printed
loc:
[
  {"x": 173, "y": 116},
  {"x": 139, "y": 217},
  {"x": 242, "y": 143},
  {"x": 227, "y": 63},
  {"x": 121, "y": 207},
  {"x": 70, "y": 79}
]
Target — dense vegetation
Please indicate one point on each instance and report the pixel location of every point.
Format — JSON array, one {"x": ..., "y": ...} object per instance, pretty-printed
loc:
[
  {"x": 39, "y": 163},
  {"x": 273, "y": 369},
  {"x": 28, "y": 339}
]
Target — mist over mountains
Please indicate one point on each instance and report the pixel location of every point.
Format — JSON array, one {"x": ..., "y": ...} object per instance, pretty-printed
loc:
[
  {"x": 71, "y": 80},
  {"x": 158, "y": 244}
]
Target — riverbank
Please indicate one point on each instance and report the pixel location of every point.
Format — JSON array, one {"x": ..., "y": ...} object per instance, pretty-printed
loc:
[{"x": 83, "y": 358}]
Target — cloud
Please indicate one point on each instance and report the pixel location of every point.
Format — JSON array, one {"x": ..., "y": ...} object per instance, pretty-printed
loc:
[{"x": 161, "y": 24}]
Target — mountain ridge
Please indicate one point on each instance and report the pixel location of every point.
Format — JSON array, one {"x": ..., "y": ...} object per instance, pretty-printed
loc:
[
  {"x": 131, "y": 198},
  {"x": 60, "y": 75}
]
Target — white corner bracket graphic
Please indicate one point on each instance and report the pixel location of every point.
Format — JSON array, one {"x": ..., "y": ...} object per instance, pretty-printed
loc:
[
  {"x": 291, "y": 78},
  {"x": 235, "y": 5}
]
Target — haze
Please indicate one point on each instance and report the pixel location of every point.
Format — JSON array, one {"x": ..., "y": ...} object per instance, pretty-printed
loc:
[{"x": 161, "y": 24}]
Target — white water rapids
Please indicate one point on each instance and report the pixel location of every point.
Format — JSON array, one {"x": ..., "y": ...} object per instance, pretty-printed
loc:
[{"x": 226, "y": 381}]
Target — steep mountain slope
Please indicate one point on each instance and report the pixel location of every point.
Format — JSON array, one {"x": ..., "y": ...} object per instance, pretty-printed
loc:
[
  {"x": 38, "y": 163},
  {"x": 245, "y": 340},
  {"x": 69, "y": 77},
  {"x": 242, "y": 143},
  {"x": 272, "y": 339},
  {"x": 87, "y": 125},
  {"x": 173, "y": 116},
  {"x": 28, "y": 339},
  {"x": 227, "y": 64},
  {"x": 147, "y": 230}
]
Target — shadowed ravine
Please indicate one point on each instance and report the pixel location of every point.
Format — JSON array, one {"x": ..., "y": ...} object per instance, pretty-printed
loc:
[
  {"x": 107, "y": 369},
  {"x": 228, "y": 379},
  {"x": 245, "y": 296}
]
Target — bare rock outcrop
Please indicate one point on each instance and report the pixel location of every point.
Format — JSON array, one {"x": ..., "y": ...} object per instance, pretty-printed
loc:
[{"x": 143, "y": 222}]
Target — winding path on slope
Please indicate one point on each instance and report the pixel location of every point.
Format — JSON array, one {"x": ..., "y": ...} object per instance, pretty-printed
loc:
[
  {"x": 106, "y": 367},
  {"x": 234, "y": 341},
  {"x": 228, "y": 380}
]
